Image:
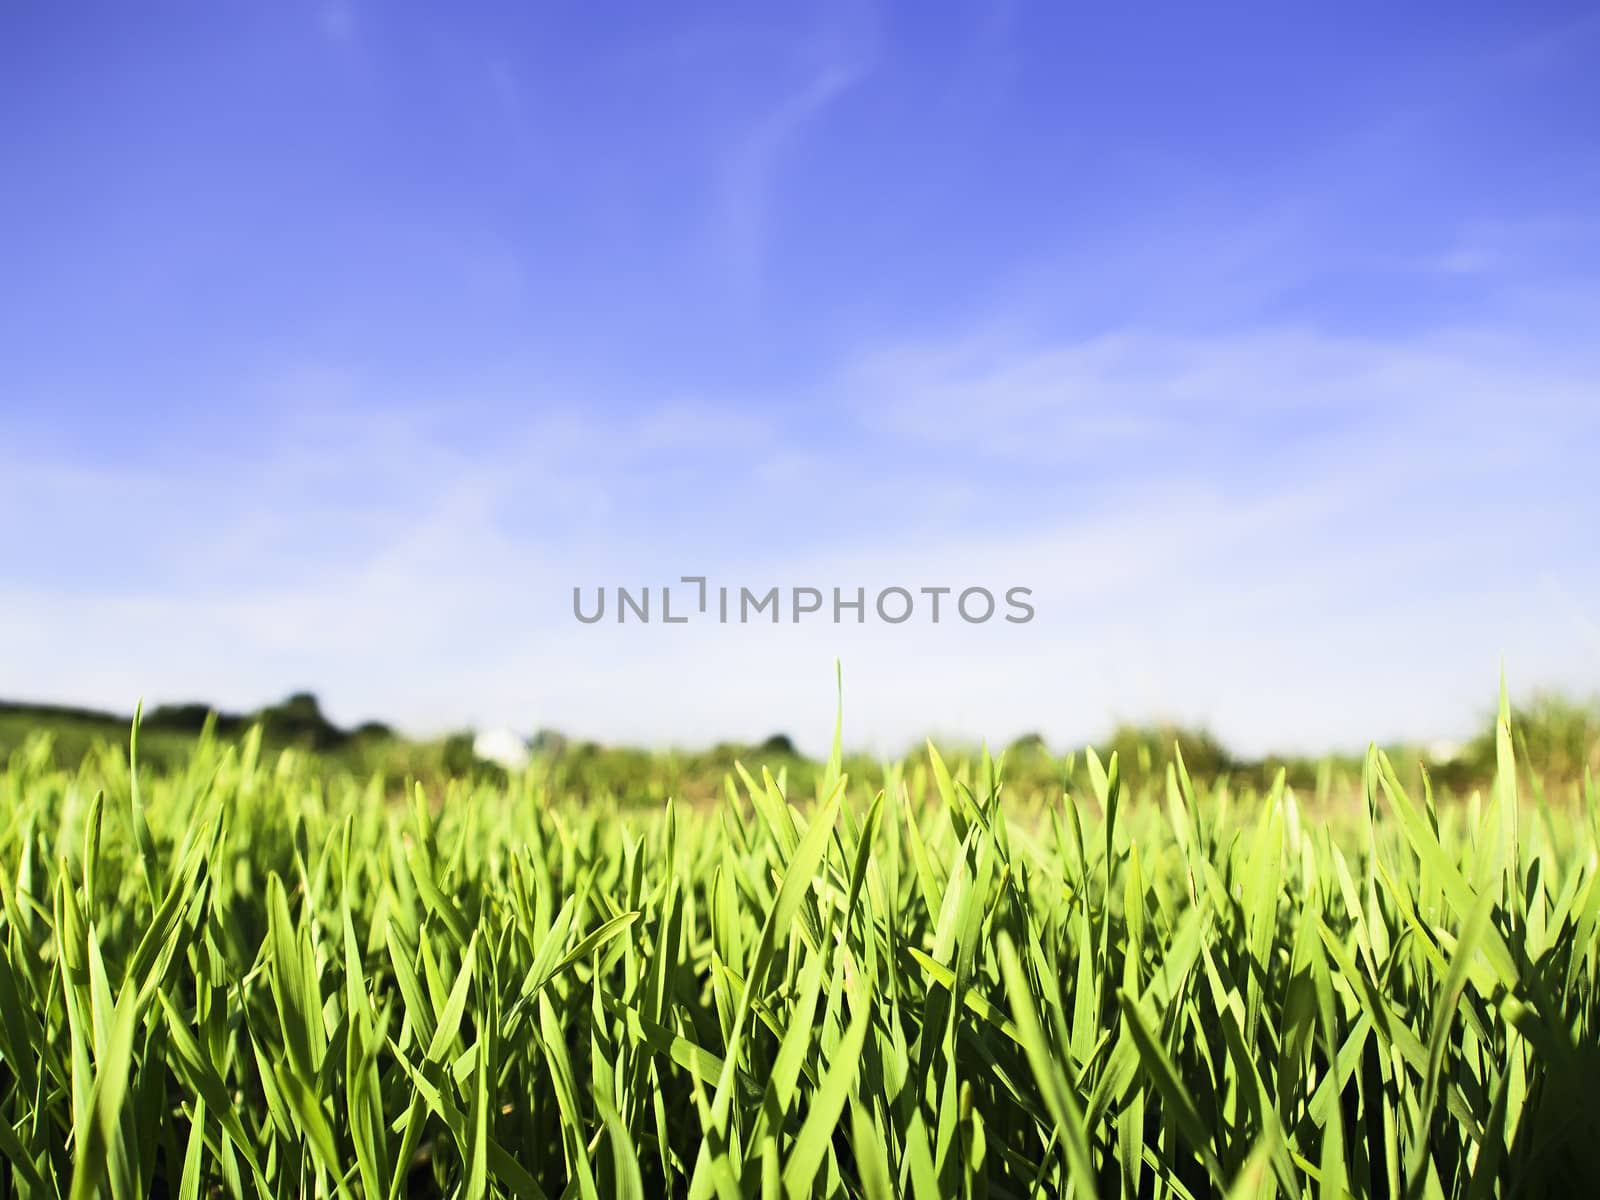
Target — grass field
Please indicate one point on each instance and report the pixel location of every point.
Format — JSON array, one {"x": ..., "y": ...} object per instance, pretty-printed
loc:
[{"x": 247, "y": 976}]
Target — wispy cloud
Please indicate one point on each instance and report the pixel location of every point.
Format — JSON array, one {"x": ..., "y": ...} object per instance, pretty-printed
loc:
[
  {"x": 1288, "y": 389},
  {"x": 1333, "y": 588},
  {"x": 751, "y": 167}
]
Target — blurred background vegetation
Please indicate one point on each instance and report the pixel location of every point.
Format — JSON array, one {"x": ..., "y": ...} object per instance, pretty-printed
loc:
[{"x": 1558, "y": 740}]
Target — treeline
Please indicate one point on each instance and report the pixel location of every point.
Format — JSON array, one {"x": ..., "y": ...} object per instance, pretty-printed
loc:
[
  {"x": 1558, "y": 738},
  {"x": 169, "y": 729}
]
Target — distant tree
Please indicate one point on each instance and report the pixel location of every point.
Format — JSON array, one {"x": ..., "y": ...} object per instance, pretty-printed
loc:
[
  {"x": 1203, "y": 754},
  {"x": 1554, "y": 736},
  {"x": 457, "y": 756},
  {"x": 299, "y": 721},
  {"x": 548, "y": 743},
  {"x": 179, "y": 718}
]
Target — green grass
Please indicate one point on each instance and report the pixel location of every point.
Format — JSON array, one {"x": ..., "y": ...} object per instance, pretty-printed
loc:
[{"x": 245, "y": 976}]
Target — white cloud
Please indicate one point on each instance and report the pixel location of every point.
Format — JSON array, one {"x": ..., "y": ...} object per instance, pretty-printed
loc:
[
  {"x": 1269, "y": 389},
  {"x": 1363, "y": 579},
  {"x": 750, "y": 168}
]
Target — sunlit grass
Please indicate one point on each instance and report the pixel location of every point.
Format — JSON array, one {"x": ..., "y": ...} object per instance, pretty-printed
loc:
[{"x": 244, "y": 977}]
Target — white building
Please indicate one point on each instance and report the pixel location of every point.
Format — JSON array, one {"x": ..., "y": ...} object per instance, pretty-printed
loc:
[{"x": 506, "y": 747}]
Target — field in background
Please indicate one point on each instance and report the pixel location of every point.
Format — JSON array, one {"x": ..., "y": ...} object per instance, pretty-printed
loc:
[
  {"x": 1558, "y": 739},
  {"x": 249, "y": 972}
]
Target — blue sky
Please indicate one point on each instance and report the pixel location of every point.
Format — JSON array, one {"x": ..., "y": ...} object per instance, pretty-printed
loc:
[{"x": 339, "y": 341}]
